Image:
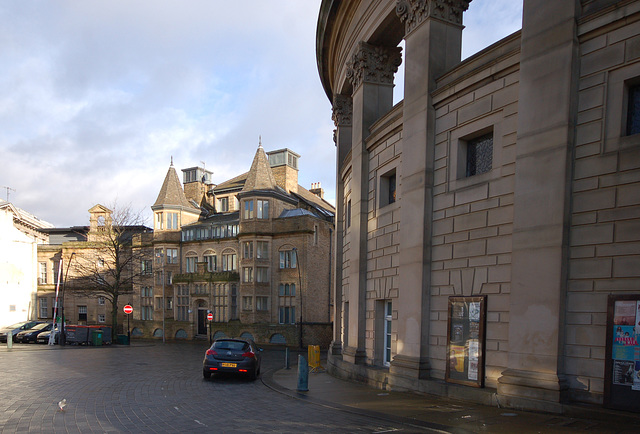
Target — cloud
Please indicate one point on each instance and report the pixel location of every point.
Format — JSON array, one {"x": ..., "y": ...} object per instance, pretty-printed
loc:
[{"x": 96, "y": 97}]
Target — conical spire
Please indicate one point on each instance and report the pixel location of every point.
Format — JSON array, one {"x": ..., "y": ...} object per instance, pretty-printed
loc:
[
  {"x": 171, "y": 192},
  {"x": 260, "y": 176}
]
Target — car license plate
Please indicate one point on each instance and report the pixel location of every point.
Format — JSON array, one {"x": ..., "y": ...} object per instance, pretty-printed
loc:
[{"x": 229, "y": 365}]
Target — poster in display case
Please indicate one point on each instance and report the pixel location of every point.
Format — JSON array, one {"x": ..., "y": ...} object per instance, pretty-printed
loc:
[
  {"x": 465, "y": 340},
  {"x": 622, "y": 363}
]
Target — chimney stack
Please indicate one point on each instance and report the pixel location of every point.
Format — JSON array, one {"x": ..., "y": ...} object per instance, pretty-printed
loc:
[{"x": 317, "y": 190}]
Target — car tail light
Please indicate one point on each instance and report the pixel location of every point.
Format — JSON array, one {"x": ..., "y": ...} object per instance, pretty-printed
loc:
[
  {"x": 211, "y": 352},
  {"x": 249, "y": 354},
  {"x": 242, "y": 370}
]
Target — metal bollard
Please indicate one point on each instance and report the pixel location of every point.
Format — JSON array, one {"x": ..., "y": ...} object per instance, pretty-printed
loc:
[
  {"x": 303, "y": 374},
  {"x": 9, "y": 340},
  {"x": 287, "y": 365}
]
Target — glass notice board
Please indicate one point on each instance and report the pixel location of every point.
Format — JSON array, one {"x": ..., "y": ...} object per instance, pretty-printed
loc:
[
  {"x": 465, "y": 340},
  {"x": 622, "y": 363}
]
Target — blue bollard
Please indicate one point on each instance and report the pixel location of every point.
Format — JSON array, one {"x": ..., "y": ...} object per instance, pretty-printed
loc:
[
  {"x": 287, "y": 365},
  {"x": 303, "y": 374}
]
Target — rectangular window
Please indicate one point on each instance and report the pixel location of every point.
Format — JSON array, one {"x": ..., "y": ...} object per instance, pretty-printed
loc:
[
  {"x": 159, "y": 255},
  {"x": 101, "y": 301},
  {"x": 43, "y": 307},
  {"x": 262, "y": 274},
  {"x": 224, "y": 204},
  {"x": 42, "y": 276},
  {"x": 388, "y": 188},
  {"x": 247, "y": 303},
  {"x": 263, "y": 209},
  {"x": 348, "y": 212},
  {"x": 262, "y": 303},
  {"x": 262, "y": 250},
  {"x": 479, "y": 155},
  {"x": 229, "y": 262},
  {"x": 212, "y": 263},
  {"x": 182, "y": 303},
  {"x": 169, "y": 303},
  {"x": 248, "y": 209},
  {"x": 287, "y": 314},
  {"x": 159, "y": 221},
  {"x": 247, "y": 250},
  {"x": 172, "y": 256},
  {"x": 315, "y": 235},
  {"x": 247, "y": 274},
  {"x": 287, "y": 289},
  {"x": 101, "y": 318},
  {"x": 146, "y": 266},
  {"x": 387, "y": 333},
  {"x": 82, "y": 313},
  {"x": 633, "y": 110},
  {"x": 159, "y": 304},
  {"x": 172, "y": 220},
  {"x": 288, "y": 259},
  {"x": 190, "y": 264}
]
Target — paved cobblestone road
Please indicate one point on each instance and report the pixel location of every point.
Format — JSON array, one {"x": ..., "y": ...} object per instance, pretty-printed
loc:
[{"x": 150, "y": 387}]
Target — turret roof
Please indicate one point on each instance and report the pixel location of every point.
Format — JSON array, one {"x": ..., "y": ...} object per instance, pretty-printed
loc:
[
  {"x": 260, "y": 176},
  {"x": 171, "y": 192}
]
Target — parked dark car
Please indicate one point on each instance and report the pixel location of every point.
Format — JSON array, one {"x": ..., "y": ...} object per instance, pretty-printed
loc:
[
  {"x": 238, "y": 356},
  {"x": 43, "y": 338},
  {"x": 31, "y": 335},
  {"x": 16, "y": 328}
]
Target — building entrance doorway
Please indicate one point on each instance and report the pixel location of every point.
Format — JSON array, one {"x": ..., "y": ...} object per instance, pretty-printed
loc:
[{"x": 202, "y": 321}]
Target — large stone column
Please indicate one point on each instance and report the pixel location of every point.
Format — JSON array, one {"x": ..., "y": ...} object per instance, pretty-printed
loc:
[
  {"x": 371, "y": 72},
  {"x": 342, "y": 115},
  {"x": 433, "y": 40},
  {"x": 546, "y": 119}
]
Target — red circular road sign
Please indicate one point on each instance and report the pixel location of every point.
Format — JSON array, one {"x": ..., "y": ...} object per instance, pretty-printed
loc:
[
  {"x": 128, "y": 309},
  {"x": 210, "y": 316}
]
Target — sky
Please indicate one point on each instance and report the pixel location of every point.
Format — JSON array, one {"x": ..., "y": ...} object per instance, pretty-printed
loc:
[{"x": 97, "y": 97}]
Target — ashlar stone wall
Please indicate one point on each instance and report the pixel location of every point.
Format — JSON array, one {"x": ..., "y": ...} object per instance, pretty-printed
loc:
[{"x": 473, "y": 216}]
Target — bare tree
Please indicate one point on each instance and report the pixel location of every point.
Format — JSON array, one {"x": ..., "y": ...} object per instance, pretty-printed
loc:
[{"x": 108, "y": 264}]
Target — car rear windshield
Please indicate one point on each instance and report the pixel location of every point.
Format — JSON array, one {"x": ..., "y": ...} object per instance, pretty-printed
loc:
[{"x": 230, "y": 345}]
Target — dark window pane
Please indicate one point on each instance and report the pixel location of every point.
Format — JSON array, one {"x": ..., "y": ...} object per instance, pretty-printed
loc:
[
  {"x": 633, "y": 111},
  {"x": 479, "y": 155}
]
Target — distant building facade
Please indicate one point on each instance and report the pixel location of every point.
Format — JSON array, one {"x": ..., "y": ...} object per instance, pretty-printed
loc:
[
  {"x": 70, "y": 263},
  {"x": 488, "y": 226},
  {"x": 20, "y": 234},
  {"x": 253, "y": 251}
]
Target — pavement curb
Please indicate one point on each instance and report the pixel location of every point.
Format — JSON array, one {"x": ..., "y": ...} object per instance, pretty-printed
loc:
[{"x": 267, "y": 380}]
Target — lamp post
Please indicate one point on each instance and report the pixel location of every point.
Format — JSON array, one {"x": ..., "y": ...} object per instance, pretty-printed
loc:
[
  {"x": 63, "y": 339},
  {"x": 300, "y": 290}
]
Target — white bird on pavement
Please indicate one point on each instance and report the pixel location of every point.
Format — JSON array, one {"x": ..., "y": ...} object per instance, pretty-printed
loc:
[{"x": 62, "y": 404}]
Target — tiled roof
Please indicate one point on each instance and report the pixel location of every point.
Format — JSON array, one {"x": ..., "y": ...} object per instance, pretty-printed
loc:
[
  {"x": 260, "y": 176},
  {"x": 171, "y": 192}
]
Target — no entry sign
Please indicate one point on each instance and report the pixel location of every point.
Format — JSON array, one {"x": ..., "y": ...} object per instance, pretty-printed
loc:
[
  {"x": 210, "y": 316},
  {"x": 128, "y": 309}
]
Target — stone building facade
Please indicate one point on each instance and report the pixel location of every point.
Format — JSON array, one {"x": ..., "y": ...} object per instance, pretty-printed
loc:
[
  {"x": 512, "y": 177},
  {"x": 253, "y": 251}
]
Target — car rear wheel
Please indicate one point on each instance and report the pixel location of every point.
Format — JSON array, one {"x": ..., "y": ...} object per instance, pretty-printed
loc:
[{"x": 206, "y": 374}]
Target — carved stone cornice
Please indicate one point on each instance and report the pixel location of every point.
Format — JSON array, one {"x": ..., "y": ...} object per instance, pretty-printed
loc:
[
  {"x": 342, "y": 111},
  {"x": 373, "y": 64},
  {"x": 414, "y": 12}
]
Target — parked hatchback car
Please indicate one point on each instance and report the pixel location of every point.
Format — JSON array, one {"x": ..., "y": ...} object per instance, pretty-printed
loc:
[
  {"x": 31, "y": 335},
  {"x": 238, "y": 356},
  {"x": 43, "y": 338},
  {"x": 16, "y": 328}
]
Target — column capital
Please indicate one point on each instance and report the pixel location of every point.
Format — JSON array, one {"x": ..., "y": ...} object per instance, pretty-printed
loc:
[
  {"x": 373, "y": 64},
  {"x": 342, "y": 111},
  {"x": 414, "y": 12}
]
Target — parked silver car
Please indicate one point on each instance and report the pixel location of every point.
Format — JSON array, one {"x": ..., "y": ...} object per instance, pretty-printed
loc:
[{"x": 16, "y": 328}]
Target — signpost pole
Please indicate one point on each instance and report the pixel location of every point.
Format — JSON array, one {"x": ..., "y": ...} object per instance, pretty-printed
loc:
[
  {"x": 128, "y": 310},
  {"x": 210, "y": 318}
]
